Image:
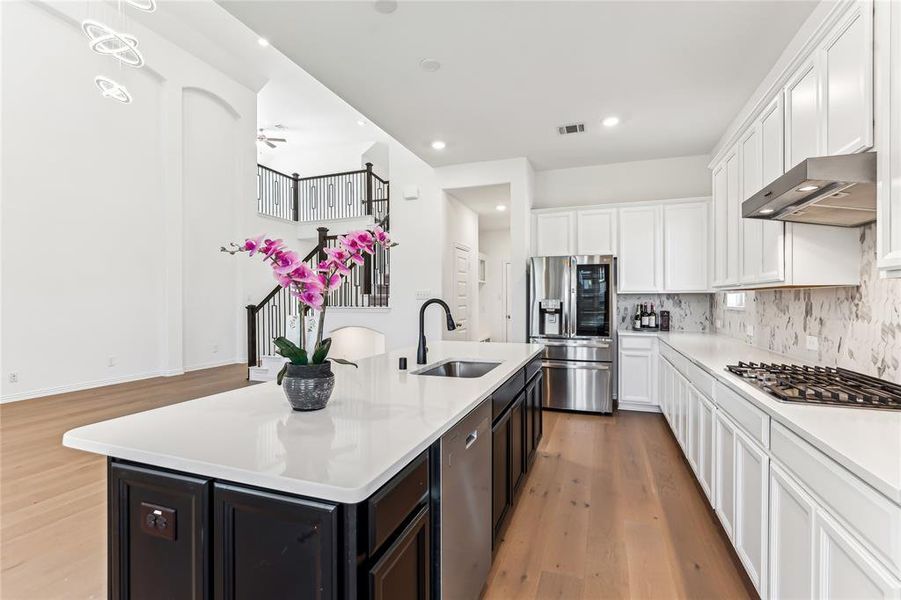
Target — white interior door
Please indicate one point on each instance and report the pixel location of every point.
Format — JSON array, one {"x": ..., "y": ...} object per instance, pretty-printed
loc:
[
  {"x": 508, "y": 302},
  {"x": 460, "y": 305}
]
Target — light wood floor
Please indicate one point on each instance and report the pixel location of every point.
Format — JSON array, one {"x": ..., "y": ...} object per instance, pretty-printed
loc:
[
  {"x": 611, "y": 510},
  {"x": 53, "y": 499}
]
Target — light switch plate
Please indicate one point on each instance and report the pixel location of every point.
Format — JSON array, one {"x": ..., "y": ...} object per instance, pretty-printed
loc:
[{"x": 813, "y": 343}]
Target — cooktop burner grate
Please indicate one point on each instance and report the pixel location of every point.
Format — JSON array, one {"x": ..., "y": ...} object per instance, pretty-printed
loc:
[{"x": 821, "y": 385}]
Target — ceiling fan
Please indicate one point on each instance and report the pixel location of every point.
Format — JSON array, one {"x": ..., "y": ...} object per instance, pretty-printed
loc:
[{"x": 269, "y": 141}]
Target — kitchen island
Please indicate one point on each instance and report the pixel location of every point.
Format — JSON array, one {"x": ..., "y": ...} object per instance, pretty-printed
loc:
[{"x": 236, "y": 495}]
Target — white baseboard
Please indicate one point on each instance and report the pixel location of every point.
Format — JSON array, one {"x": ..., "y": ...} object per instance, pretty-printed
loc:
[
  {"x": 639, "y": 407},
  {"x": 75, "y": 387},
  {"x": 214, "y": 364}
]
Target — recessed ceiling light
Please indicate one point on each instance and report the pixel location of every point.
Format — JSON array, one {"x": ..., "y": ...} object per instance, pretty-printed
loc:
[
  {"x": 766, "y": 211},
  {"x": 808, "y": 188},
  {"x": 610, "y": 122},
  {"x": 429, "y": 64},
  {"x": 438, "y": 145},
  {"x": 501, "y": 207},
  {"x": 263, "y": 42},
  {"x": 361, "y": 123},
  {"x": 386, "y": 7}
]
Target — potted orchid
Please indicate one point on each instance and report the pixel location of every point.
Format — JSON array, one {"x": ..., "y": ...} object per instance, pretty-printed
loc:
[{"x": 307, "y": 377}]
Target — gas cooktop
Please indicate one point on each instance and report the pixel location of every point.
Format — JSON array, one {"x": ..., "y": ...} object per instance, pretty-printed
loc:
[{"x": 821, "y": 385}]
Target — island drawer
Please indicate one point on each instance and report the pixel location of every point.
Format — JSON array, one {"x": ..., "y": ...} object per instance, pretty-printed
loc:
[
  {"x": 506, "y": 394},
  {"x": 395, "y": 501}
]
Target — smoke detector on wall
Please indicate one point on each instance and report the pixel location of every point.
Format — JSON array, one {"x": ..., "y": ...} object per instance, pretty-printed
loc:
[{"x": 571, "y": 128}]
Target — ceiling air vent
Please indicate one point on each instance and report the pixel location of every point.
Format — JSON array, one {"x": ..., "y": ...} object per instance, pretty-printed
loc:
[{"x": 573, "y": 128}]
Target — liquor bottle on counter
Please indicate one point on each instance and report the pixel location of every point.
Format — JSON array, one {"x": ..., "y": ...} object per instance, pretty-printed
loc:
[
  {"x": 645, "y": 316},
  {"x": 636, "y": 320},
  {"x": 652, "y": 317}
]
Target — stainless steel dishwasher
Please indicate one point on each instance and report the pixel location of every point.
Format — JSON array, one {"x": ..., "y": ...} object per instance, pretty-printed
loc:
[{"x": 465, "y": 505}]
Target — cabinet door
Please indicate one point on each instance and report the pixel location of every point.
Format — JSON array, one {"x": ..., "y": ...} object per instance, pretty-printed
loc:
[
  {"x": 596, "y": 231},
  {"x": 845, "y": 569},
  {"x": 751, "y": 229},
  {"x": 725, "y": 473},
  {"x": 402, "y": 573},
  {"x": 163, "y": 555},
  {"x": 848, "y": 66},
  {"x": 500, "y": 472},
  {"x": 751, "y": 508},
  {"x": 720, "y": 224},
  {"x": 685, "y": 249},
  {"x": 640, "y": 248},
  {"x": 693, "y": 427},
  {"x": 791, "y": 542},
  {"x": 802, "y": 116},
  {"x": 268, "y": 545},
  {"x": 635, "y": 376},
  {"x": 680, "y": 402},
  {"x": 553, "y": 234},
  {"x": 706, "y": 455},
  {"x": 538, "y": 427},
  {"x": 517, "y": 441},
  {"x": 888, "y": 139},
  {"x": 529, "y": 421},
  {"x": 733, "y": 229},
  {"x": 772, "y": 165}
]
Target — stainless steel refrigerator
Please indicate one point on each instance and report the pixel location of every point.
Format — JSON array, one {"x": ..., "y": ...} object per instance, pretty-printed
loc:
[{"x": 572, "y": 311}]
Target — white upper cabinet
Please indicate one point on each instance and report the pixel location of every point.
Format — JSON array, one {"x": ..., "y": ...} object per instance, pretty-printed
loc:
[
  {"x": 847, "y": 63},
  {"x": 685, "y": 246},
  {"x": 720, "y": 221},
  {"x": 596, "y": 231},
  {"x": 751, "y": 229},
  {"x": 733, "y": 214},
  {"x": 640, "y": 262},
  {"x": 803, "y": 115},
  {"x": 772, "y": 254},
  {"x": 554, "y": 234},
  {"x": 888, "y": 138}
]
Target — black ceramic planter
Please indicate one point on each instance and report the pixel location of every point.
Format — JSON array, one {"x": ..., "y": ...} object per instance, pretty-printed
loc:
[{"x": 308, "y": 387}]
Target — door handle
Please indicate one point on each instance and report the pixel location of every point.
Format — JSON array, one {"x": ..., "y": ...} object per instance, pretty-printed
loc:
[
  {"x": 471, "y": 439},
  {"x": 567, "y": 365},
  {"x": 601, "y": 345}
]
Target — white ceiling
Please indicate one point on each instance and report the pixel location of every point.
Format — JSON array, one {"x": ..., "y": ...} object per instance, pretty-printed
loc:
[
  {"x": 484, "y": 200},
  {"x": 675, "y": 72}
]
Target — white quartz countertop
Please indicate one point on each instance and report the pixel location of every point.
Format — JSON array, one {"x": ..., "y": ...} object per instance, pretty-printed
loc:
[
  {"x": 377, "y": 421},
  {"x": 867, "y": 442}
]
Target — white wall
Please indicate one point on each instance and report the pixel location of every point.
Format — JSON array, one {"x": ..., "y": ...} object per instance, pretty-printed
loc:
[
  {"x": 495, "y": 246},
  {"x": 112, "y": 214},
  {"x": 517, "y": 172},
  {"x": 680, "y": 177},
  {"x": 309, "y": 160},
  {"x": 461, "y": 226}
]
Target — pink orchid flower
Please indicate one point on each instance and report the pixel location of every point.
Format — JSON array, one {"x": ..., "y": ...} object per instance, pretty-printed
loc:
[
  {"x": 311, "y": 298},
  {"x": 303, "y": 274},
  {"x": 285, "y": 262},
  {"x": 329, "y": 282},
  {"x": 251, "y": 245},
  {"x": 381, "y": 237},
  {"x": 270, "y": 247},
  {"x": 364, "y": 239}
]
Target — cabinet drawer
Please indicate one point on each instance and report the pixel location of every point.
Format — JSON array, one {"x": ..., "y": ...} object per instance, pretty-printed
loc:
[
  {"x": 869, "y": 515},
  {"x": 636, "y": 342},
  {"x": 533, "y": 368},
  {"x": 389, "y": 507},
  {"x": 504, "y": 395},
  {"x": 700, "y": 379},
  {"x": 754, "y": 421}
]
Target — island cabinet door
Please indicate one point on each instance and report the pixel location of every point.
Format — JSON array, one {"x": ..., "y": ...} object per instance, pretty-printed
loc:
[
  {"x": 158, "y": 534},
  {"x": 533, "y": 417},
  {"x": 402, "y": 573},
  {"x": 500, "y": 472},
  {"x": 268, "y": 545},
  {"x": 518, "y": 442}
]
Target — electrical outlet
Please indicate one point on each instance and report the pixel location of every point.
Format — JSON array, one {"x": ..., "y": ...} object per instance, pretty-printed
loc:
[
  {"x": 14, "y": 377},
  {"x": 111, "y": 362},
  {"x": 423, "y": 294},
  {"x": 813, "y": 343},
  {"x": 749, "y": 330}
]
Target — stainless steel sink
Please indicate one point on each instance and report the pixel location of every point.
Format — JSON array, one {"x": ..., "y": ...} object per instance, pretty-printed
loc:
[{"x": 458, "y": 368}]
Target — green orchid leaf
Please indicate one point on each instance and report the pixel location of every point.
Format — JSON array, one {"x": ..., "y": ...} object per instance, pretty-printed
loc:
[
  {"x": 290, "y": 350},
  {"x": 281, "y": 374},
  {"x": 322, "y": 351},
  {"x": 341, "y": 361}
]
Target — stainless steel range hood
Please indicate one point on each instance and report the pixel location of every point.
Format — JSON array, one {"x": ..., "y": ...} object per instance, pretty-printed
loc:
[{"x": 829, "y": 190}]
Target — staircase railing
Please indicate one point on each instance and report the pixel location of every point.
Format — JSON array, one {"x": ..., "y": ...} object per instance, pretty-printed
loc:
[
  {"x": 366, "y": 286},
  {"x": 344, "y": 195}
]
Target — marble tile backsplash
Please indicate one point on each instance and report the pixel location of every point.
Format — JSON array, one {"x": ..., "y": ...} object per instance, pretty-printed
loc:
[
  {"x": 688, "y": 312},
  {"x": 857, "y": 328}
]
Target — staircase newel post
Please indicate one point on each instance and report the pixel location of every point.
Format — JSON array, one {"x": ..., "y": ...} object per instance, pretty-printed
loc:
[
  {"x": 251, "y": 337},
  {"x": 369, "y": 188},
  {"x": 295, "y": 192}
]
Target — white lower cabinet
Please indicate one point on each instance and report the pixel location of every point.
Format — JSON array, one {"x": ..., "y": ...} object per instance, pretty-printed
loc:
[
  {"x": 637, "y": 372},
  {"x": 844, "y": 569},
  {"x": 705, "y": 445},
  {"x": 791, "y": 538},
  {"x": 693, "y": 446},
  {"x": 751, "y": 508},
  {"x": 725, "y": 472}
]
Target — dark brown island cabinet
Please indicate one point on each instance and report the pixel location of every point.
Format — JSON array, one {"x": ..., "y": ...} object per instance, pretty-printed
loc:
[{"x": 179, "y": 535}]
